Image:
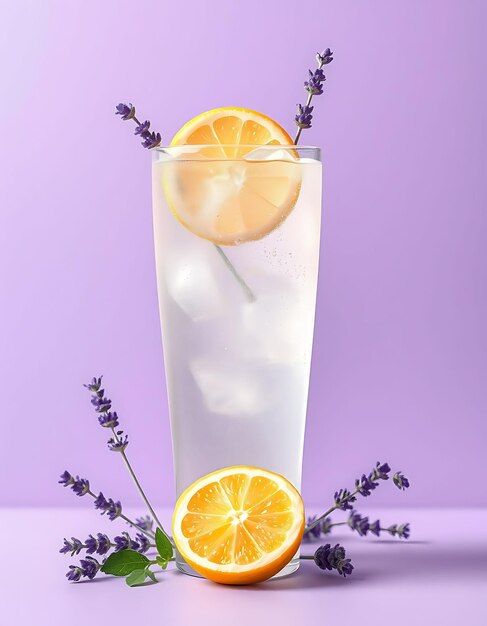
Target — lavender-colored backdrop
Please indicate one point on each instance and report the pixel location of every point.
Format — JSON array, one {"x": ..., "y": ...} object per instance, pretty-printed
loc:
[{"x": 400, "y": 358}]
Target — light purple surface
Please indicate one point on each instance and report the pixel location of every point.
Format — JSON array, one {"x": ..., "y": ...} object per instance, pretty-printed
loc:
[
  {"x": 401, "y": 341},
  {"x": 438, "y": 577}
]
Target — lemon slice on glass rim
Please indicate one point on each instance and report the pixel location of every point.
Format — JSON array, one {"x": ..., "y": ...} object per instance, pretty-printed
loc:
[
  {"x": 217, "y": 193},
  {"x": 239, "y": 525}
]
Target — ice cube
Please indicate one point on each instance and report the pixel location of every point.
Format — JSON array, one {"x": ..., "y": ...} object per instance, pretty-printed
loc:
[
  {"x": 191, "y": 283},
  {"x": 229, "y": 386},
  {"x": 279, "y": 327}
]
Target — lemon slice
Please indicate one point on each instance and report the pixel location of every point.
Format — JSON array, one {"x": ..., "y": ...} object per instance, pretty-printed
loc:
[
  {"x": 216, "y": 193},
  {"x": 239, "y": 525}
]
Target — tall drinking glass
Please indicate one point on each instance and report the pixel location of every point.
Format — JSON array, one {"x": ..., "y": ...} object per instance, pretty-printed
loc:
[{"x": 237, "y": 235}]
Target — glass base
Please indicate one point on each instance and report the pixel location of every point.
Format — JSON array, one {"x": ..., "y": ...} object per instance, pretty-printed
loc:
[{"x": 290, "y": 568}]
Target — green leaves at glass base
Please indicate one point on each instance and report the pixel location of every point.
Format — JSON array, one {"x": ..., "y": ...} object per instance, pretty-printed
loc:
[
  {"x": 164, "y": 547},
  {"x": 138, "y": 577},
  {"x": 124, "y": 562}
]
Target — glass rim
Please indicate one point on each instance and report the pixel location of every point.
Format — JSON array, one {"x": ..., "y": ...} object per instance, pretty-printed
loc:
[
  {"x": 188, "y": 149},
  {"x": 239, "y": 145}
]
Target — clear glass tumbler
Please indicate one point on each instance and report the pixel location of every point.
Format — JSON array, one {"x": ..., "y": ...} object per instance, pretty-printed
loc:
[{"x": 237, "y": 237}]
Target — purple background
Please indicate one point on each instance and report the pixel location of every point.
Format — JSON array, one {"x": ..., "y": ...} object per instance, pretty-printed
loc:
[{"x": 401, "y": 341}]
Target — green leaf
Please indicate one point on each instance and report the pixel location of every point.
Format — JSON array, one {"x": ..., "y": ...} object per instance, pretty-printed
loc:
[
  {"x": 151, "y": 575},
  {"x": 163, "y": 545},
  {"x": 162, "y": 562},
  {"x": 136, "y": 577},
  {"x": 123, "y": 562}
]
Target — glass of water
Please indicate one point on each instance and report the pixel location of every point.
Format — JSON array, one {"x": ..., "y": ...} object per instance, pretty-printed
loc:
[{"x": 237, "y": 237}]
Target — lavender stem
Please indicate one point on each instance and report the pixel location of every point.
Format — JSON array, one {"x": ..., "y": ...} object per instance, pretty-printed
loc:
[
  {"x": 318, "y": 520},
  {"x": 137, "y": 484},
  {"x": 245, "y": 288}
]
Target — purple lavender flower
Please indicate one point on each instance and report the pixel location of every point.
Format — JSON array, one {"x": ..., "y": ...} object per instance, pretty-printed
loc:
[
  {"x": 88, "y": 568},
  {"x": 324, "y": 58},
  {"x": 114, "y": 509},
  {"x": 142, "y": 129},
  {"x": 101, "y": 502},
  {"x": 314, "y": 532},
  {"x": 99, "y": 544},
  {"x": 314, "y": 87},
  {"x": 125, "y": 542},
  {"x": 328, "y": 558},
  {"x": 127, "y": 111},
  {"x": 314, "y": 84},
  {"x": 343, "y": 499},
  {"x": 152, "y": 140},
  {"x": 108, "y": 419},
  {"x": 375, "y": 528},
  {"x": 364, "y": 486},
  {"x": 304, "y": 116},
  {"x": 380, "y": 472},
  {"x": 110, "y": 507},
  {"x": 402, "y": 531},
  {"x": 94, "y": 385},
  {"x": 326, "y": 526},
  {"x": 400, "y": 481},
  {"x": 143, "y": 541},
  {"x": 81, "y": 486},
  {"x": 73, "y": 547},
  {"x": 101, "y": 404},
  {"x": 119, "y": 444},
  {"x": 74, "y": 573},
  {"x": 66, "y": 479},
  {"x": 146, "y": 522},
  {"x": 358, "y": 523}
]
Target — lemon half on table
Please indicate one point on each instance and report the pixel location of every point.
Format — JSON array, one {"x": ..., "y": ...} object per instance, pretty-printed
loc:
[
  {"x": 239, "y": 525},
  {"x": 216, "y": 193}
]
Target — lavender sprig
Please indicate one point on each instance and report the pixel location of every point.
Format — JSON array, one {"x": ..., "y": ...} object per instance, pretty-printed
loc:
[
  {"x": 314, "y": 87},
  {"x": 127, "y": 559},
  {"x": 119, "y": 442},
  {"x": 363, "y": 486},
  {"x": 152, "y": 140},
  {"x": 112, "y": 508},
  {"x": 357, "y": 523},
  {"x": 149, "y": 139},
  {"x": 88, "y": 568},
  {"x": 332, "y": 558},
  {"x": 362, "y": 525},
  {"x": 101, "y": 544}
]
